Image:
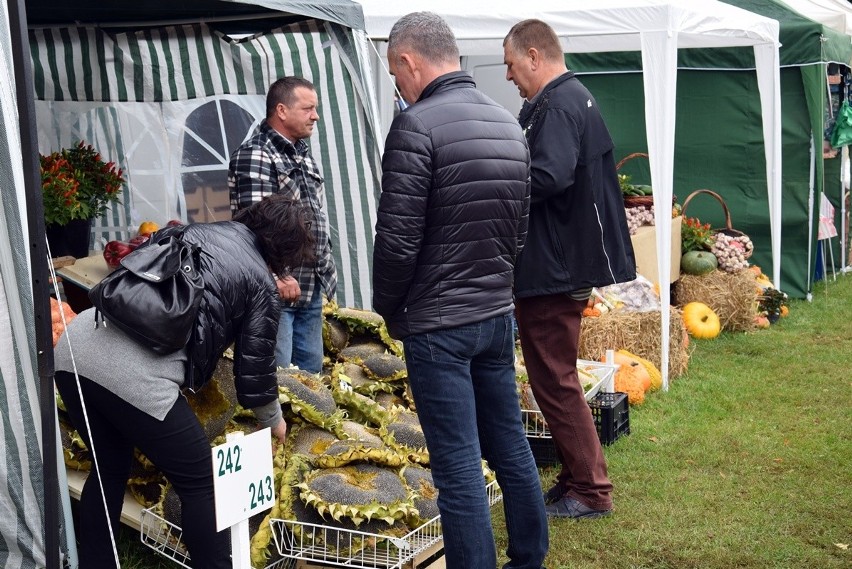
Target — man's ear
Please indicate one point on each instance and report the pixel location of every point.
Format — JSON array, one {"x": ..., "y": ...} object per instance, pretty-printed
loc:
[
  {"x": 535, "y": 58},
  {"x": 281, "y": 111},
  {"x": 409, "y": 62}
]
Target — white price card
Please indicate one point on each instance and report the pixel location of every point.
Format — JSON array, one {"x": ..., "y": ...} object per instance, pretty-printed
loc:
[{"x": 242, "y": 478}]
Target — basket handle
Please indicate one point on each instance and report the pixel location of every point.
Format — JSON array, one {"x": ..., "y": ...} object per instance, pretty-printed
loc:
[
  {"x": 630, "y": 157},
  {"x": 713, "y": 194}
]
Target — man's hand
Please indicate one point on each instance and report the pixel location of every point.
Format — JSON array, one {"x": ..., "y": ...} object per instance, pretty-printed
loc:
[{"x": 288, "y": 288}]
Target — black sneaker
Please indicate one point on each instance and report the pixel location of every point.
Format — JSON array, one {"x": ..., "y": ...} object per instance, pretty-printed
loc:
[
  {"x": 572, "y": 508},
  {"x": 555, "y": 493}
]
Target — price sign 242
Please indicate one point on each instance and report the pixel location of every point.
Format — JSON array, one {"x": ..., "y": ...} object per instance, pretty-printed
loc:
[{"x": 243, "y": 482}]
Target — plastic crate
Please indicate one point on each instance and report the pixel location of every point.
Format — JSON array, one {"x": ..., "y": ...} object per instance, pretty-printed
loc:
[
  {"x": 612, "y": 416},
  {"x": 612, "y": 420},
  {"x": 543, "y": 451}
]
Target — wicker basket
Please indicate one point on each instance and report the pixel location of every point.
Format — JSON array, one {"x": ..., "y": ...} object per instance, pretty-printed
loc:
[
  {"x": 635, "y": 201},
  {"x": 728, "y": 229}
]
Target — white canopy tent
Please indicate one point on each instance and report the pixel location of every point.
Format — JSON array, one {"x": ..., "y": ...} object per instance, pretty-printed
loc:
[
  {"x": 836, "y": 14},
  {"x": 657, "y": 28}
]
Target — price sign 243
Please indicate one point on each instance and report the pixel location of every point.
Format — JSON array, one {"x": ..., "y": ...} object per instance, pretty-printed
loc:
[{"x": 243, "y": 482}]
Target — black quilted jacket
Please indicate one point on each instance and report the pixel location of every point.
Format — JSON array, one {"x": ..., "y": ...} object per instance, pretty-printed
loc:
[
  {"x": 240, "y": 306},
  {"x": 453, "y": 210}
]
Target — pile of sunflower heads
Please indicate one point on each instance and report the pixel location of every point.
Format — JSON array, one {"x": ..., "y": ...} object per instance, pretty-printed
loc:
[{"x": 355, "y": 462}]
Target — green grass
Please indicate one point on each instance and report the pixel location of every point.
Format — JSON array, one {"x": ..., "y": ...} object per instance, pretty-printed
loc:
[{"x": 745, "y": 462}]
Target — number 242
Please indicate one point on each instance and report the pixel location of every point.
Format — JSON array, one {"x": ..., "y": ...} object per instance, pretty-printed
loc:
[{"x": 229, "y": 462}]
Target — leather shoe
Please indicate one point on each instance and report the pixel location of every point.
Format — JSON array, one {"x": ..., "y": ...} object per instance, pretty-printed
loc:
[
  {"x": 556, "y": 492},
  {"x": 572, "y": 508}
]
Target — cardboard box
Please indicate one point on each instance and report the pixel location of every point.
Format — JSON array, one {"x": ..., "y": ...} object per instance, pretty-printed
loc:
[
  {"x": 645, "y": 251},
  {"x": 86, "y": 272}
]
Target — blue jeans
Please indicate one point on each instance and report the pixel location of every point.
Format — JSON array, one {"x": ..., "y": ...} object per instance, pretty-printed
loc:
[
  {"x": 300, "y": 335},
  {"x": 463, "y": 380}
]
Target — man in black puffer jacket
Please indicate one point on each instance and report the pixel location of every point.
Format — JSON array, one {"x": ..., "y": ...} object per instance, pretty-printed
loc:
[{"x": 452, "y": 219}]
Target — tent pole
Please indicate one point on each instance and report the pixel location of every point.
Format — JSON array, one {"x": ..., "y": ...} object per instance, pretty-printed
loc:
[{"x": 38, "y": 255}]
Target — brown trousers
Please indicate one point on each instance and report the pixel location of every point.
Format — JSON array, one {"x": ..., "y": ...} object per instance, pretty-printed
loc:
[{"x": 549, "y": 328}]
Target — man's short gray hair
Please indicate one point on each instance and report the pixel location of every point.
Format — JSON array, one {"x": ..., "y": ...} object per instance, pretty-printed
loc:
[{"x": 426, "y": 34}]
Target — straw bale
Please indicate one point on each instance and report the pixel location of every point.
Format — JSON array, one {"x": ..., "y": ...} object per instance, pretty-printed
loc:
[
  {"x": 732, "y": 296},
  {"x": 638, "y": 333}
]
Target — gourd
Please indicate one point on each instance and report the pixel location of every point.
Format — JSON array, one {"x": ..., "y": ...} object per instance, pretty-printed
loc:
[
  {"x": 627, "y": 381},
  {"x": 654, "y": 375},
  {"x": 591, "y": 312},
  {"x": 698, "y": 262},
  {"x": 700, "y": 321},
  {"x": 56, "y": 324},
  {"x": 626, "y": 359}
]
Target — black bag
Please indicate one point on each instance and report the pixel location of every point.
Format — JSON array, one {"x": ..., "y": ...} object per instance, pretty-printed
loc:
[{"x": 154, "y": 295}]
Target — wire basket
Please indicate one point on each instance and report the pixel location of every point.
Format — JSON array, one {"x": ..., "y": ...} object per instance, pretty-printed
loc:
[
  {"x": 349, "y": 548},
  {"x": 534, "y": 423},
  {"x": 728, "y": 229},
  {"x": 165, "y": 538},
  {"x": 319, "y": 543},
  {"x": 635, "y": 201}
]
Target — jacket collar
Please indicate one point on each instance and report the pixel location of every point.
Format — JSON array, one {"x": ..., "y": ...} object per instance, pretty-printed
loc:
[
  {"x": 529, "y": 106},
  {"x": 452, "y": 80},
  {"x": 558, "y": 80},
  {"x": 282, "y": 143}
]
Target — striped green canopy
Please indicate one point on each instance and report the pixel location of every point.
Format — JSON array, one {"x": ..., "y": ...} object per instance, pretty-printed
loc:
[{"x": 170, "y": 104}]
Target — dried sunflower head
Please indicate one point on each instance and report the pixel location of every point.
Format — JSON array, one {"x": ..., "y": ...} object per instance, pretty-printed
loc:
[
  {"x": 359, "y": 492},
  {"x": 308, "y": 397}
]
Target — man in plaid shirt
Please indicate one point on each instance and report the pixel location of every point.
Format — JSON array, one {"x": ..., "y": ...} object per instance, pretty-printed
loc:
[{"x": 277, "y": 159}]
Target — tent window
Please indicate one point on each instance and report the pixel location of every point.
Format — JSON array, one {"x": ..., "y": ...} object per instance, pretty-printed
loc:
[{"x": 212, "y": 132}]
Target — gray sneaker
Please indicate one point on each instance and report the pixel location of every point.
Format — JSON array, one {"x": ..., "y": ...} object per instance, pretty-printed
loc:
[{"x": 572, "y": 508}]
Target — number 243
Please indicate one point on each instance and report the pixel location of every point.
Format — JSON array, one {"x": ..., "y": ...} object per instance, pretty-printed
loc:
[{"x": 262, "y": 492}]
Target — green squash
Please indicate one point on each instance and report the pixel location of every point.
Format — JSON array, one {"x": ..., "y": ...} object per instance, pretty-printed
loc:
[{"x": 698, "y": 262}]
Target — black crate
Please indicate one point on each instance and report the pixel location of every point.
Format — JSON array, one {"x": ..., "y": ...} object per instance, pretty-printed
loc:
[
  {"x": 612, "y": 416},
  {"x": 611, "y": 413},
  {"x": 543, "y": 450}
]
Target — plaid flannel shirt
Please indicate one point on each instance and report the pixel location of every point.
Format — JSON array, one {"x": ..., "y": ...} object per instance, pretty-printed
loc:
[{"x": 268, "y": 163}]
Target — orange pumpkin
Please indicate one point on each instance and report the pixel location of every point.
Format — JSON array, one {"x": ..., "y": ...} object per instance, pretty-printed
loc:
[
  {"x": 591, "y": 311},
  {"x": 147, "y": 228}
]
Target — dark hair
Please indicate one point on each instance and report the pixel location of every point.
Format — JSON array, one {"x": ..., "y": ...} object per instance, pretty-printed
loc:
[
  {"x": 426, "y": 34},
  {"x": 534, "y": 33},
  {"x": 283, "y": 229},
  {"x": 284, "y": 91}
]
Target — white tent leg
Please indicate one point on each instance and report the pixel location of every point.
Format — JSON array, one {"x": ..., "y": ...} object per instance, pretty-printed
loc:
[{"x": 831, "y": 255}]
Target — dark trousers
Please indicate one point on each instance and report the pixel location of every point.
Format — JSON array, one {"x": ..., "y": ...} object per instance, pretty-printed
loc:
[
  {"x": 177, "y": 445},
  {"x": 549, "y": 328}
]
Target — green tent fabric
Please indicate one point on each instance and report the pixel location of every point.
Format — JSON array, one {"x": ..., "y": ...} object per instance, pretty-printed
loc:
[
  {"x": 133, "y": 15},
  {"x": 718, "y": 132},
  {"x": 22, "y": 496},
  {"x": 202, "y": 93}
]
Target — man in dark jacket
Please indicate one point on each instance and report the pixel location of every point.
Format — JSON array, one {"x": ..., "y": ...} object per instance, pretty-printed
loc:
[
  {"x": 451, "y": 222},
  {"x": 578, "y": 239}
]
